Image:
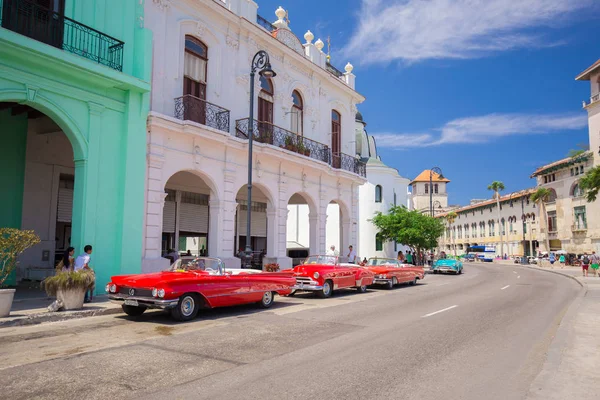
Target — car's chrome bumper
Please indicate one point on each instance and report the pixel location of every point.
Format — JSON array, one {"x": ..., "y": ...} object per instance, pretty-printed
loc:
[
  {"x": 307, "y": 287},
  {"x": 445, "y": 269},
  {"x": 147, "y": 302},
  {"x": 381, "y": 281}
]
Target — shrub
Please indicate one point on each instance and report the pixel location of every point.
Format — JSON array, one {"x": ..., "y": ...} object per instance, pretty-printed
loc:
[
  {"x": 82, "y": 279},
  {"x": 12, "y": 243},
  {"x": 274, "y": 267}
]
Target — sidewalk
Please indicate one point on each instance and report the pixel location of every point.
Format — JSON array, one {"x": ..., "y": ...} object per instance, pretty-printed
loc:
[
  {"x": 573, "y": 359},
  {"x": 30, "y": 307}
]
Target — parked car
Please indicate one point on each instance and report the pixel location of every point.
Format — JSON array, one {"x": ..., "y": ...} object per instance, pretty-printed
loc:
[
  {"x": 194, "y": 283},
  {"x": 391, "y": 272},
  {"x": 470, "y": 257},
  {"x": 448, "y": 265},
  {"x": 532, "y": 259},
  {"x": 324, "y": 274}
]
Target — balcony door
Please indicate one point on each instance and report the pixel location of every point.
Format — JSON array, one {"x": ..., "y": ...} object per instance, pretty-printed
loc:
[
  {"x": 336, "y": 134},
  {"x": 195, "y": 79},
  {"x": 265, "y": 110},
  {"x": 42, "y": 20}
]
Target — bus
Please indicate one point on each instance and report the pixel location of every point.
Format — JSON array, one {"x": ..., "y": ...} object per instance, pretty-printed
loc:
[{"x": 483, "y": 253}]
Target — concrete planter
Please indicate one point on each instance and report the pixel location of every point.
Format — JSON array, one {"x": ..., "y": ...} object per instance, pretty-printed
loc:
[
  {"x": 6, "y": 299},
  {"x": 72, "y": 299}
]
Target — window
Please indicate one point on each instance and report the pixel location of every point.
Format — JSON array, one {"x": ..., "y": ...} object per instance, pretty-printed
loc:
[
  {"x": 572, "y": 172},
  {"x": 580, "y": 217},
  {"x": 581, "y": 169},
  {"x": 435, "y": 188},
  {"x": 378, "y": 193},
  {"x": 297, "y": 125},
  {"x": 378, "y": 243},
  {"x": 395, "y": 199},
  {"x": 545, "y": 179},
  {"x": 510, "y": 225},
  {"x": 552, "y": 226},
  {"x": 426, "y": 188},
  {"x": 195, "y": 68},
  {"x": 576, "y": 191},
  {"x": 552, "y": 196},
  {"x": 265, "y": 103},
  {"x": 336, "y": 133},
  {"x": 503, "y": 226}
]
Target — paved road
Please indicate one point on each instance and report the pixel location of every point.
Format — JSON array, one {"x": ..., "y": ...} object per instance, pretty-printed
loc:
[{"x": 480, "y": 335}]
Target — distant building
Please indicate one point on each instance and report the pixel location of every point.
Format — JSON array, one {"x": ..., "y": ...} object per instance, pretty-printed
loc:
[{"x": 420, "y": 192}]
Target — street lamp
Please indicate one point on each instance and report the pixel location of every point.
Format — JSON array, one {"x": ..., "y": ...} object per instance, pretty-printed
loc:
[
  {"x": 260, "y": 63},
  {"x": 435, "y": 204},
  {"x": 438, "y": 171}
]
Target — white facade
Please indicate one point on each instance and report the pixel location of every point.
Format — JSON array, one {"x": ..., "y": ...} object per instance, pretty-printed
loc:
[{"x": 202, "y": 162}]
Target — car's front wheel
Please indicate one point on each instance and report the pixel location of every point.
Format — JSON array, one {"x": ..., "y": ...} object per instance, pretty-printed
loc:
[
  {"x": 187, "y": 308},
  {"x": 133, "y": 311},
  {"x": 326, "y": 290},
  {"x": 460, "y": 271},
  {"x": 267, "y": 300},
  {"x": 362, "y": 289}
]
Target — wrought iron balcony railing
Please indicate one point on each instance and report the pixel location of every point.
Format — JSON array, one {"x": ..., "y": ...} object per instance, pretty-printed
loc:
[
  {"x": 44, "y": 25},
  {"x": 192, "y": 108},
  {"x": 265, "y": 132},
  {"x": 261, "y": 21}
]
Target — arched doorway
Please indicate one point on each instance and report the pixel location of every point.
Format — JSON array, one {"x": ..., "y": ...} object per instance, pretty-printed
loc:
[
  {"x": 186, "y": 215},
  {"x": 338, "y": 230},
  {"x": 39, "y": 187},
  {"x": 301, "y": 233},
  {"x": 259, "y": 232}
]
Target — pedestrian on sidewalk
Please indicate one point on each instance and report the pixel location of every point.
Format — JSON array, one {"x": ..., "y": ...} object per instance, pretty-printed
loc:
[
  {"x": 552, "y": 259},
  {"x": 561, "y": 260},
  {"x": 66, "y": 263},
  {"x": 351, "y": 255},
  {"x": 409, "y": 257},
  {"x": 595, "y": 260},
  {"x": 585, "y": 264},
  {"x": 82, "y": 262}
]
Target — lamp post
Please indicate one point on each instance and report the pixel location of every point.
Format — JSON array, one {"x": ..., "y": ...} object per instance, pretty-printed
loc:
[
  {"x": 260, "y": 63},
  {"x": 438, "y": 171},
  {"x": 435, "y": 204}
]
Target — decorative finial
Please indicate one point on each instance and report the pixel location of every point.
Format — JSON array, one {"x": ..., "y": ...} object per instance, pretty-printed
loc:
[
  {"x": 328, "y": 48},
  {"x": 308, "y": 36},
  {"x": 319, "y": 44},
  {"x": 280, "y": 13},
  {"x": 349, "y": 67}
]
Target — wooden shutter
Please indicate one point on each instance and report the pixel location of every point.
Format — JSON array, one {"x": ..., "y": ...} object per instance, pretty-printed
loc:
[
  {"x": 169, "y": 217},
  {"x": 193, "y": 218},
  {"x": 65, "y": 205}
]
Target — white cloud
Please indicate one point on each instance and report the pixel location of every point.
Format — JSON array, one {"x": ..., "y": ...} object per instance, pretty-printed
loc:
[
  {"x": 414, "y": 30},
  {"x": 483, "y": 129}
]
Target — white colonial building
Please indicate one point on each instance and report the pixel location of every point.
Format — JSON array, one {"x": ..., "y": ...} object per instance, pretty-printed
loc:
[{"x": 304, "y": 134}]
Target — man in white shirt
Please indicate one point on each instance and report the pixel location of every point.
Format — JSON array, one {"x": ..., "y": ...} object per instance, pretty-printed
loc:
[
  {"x": 332, "y": 251},
  {"x": 83, "y": 260},
  {"x": 351, "y": 255}
]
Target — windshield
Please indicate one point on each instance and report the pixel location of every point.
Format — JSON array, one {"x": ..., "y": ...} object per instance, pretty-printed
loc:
[
  {"x": 210, "y": 265},
  {"x": 326, "y": 260},
  {"x": 382, "y": 261}
]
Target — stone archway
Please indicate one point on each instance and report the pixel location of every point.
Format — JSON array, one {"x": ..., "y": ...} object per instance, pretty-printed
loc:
[{"x": 302, "y": 228}]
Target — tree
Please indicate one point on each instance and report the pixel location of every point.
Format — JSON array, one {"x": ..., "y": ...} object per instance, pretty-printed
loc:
[
  {"x": 590, "y": 184},
  {"x": 497, "y": 187},
  {"x": 450, "y": 218},
  {"x": 540, "y": 197},
  {"x": 410, "y": 228},
  {"x": 12, "y": 243}
]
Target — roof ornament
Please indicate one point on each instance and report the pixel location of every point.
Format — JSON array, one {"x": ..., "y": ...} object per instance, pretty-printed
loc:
[
  {"x": 319, "y": 44},
  {"x": 308, "y": 36},
  {"x": 349, "y": 67},
  {"x": 282, "y": 19}
]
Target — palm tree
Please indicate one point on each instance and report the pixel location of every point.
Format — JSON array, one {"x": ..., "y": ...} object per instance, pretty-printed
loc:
[
  {"x": 541, "y": 196},
  {"x": 450, "y": 218},
  {"x": 497, "y": 187}
]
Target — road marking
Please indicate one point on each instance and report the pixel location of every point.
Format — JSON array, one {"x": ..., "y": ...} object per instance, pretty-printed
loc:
[
  {"x": 440, "y": 311},
  {"x": 505, "y": 287},
  {"x": 442, "y": 284}
]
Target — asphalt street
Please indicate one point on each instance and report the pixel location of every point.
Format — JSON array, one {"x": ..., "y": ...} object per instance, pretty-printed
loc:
[{"x": 480, "y": 335}]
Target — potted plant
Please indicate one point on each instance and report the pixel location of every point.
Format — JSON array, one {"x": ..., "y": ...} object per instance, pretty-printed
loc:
[
  {"x": 290, "y": 143},
  {"x": 69, "y": 287},
  {"x": 12, "y": 243},
  {"x": 272, "y": 267}
]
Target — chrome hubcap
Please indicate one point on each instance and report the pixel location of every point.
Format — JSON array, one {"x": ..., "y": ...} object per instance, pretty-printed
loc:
[
  {"x": 326, "y": 288},
  {"x": 187, "y": 306},
  {"x": 267, "y": 298}
]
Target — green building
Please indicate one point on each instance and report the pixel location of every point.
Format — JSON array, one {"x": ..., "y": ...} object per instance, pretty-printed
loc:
[{"x": 74, "y": 98}]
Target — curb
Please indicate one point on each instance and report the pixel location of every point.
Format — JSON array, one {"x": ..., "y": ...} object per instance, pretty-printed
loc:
[
  {"x": 36, "y": 319},
  {"x": 583, "y": 285}
]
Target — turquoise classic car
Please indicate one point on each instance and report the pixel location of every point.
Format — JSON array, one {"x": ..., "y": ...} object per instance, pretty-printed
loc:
[{"x": 447, "y": 265}]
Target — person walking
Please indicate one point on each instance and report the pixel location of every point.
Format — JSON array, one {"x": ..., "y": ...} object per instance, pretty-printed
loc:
[
  {"x": 562, "y": 260},
  {"x": 552, "y": 259},
  {"x": 351, "y": 255},
  {"x": 409, "y": 257},
  {"x": 595, "y": 260},
  {"x": 585, "y": 264},
  {"x": 82, "y": 262},
  {"x": 332, "y": 251},
  {"x": 66, "y": 262}
]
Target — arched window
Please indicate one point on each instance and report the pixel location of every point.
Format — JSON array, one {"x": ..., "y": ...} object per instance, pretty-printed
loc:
[
  {"x": 378, "y": 193},
  {"x": 427, "y": 188},
  {"x": 265, "y": 101},
  {"x": 297, "y": 125},
  {"x": 435, "y": 188},
  {"x": 195, "y": 67},
  {"x": 552, "y": 196},
  {"x": 576, "y": 190},
  {"x": 336, "y": 137},
  {"x": 503, "y": 226},
  {"x": 378, "y": 243}
]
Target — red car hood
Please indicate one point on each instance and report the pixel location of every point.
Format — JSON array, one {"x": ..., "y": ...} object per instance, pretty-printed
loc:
[
  {"x": 311, "y": 269},
  {"x": 156, "y": 278},
  {"x": 380, "y": 269}
]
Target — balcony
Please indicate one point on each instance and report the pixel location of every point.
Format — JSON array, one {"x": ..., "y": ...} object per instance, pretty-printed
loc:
[
  {"x": 595, "y": 98},
  {"x": 575, "y": 228},
  {"x": 44, "y": 25},
  {"x": 192, "y": 108},
  {"x": 274, "y": 135},
  {"x": 264, "y": 23}
]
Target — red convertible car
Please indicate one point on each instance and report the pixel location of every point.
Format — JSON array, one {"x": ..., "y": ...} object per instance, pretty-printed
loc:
[
  {"x": 391, "y": 272},
  {"x": 324, "y": 274},
  {"x": 194, "y": 283}
]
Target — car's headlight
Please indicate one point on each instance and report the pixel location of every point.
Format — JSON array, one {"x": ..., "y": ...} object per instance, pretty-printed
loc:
[
  {"x": 161, "y": 293},
  {"x": 155, "y": 292},
  {"x": 316, "y": 275},
  {"x": 113, "y": 288},
  {"x": 107, "y": 288}
]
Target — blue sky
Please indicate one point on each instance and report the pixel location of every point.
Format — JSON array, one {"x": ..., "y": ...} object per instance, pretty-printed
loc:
[{"x": 485, "y": 91}]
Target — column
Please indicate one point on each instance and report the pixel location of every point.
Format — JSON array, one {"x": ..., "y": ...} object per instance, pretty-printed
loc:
[
  {"x": 313, "y": 229},
  {"x": 215, "y": 235},
  {"x": 346, "y": 235}
]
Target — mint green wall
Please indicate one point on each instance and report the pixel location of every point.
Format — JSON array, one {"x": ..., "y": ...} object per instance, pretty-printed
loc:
[
  {"x": 13, "y": 136},
  {"x": 103, "y": 112}
]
